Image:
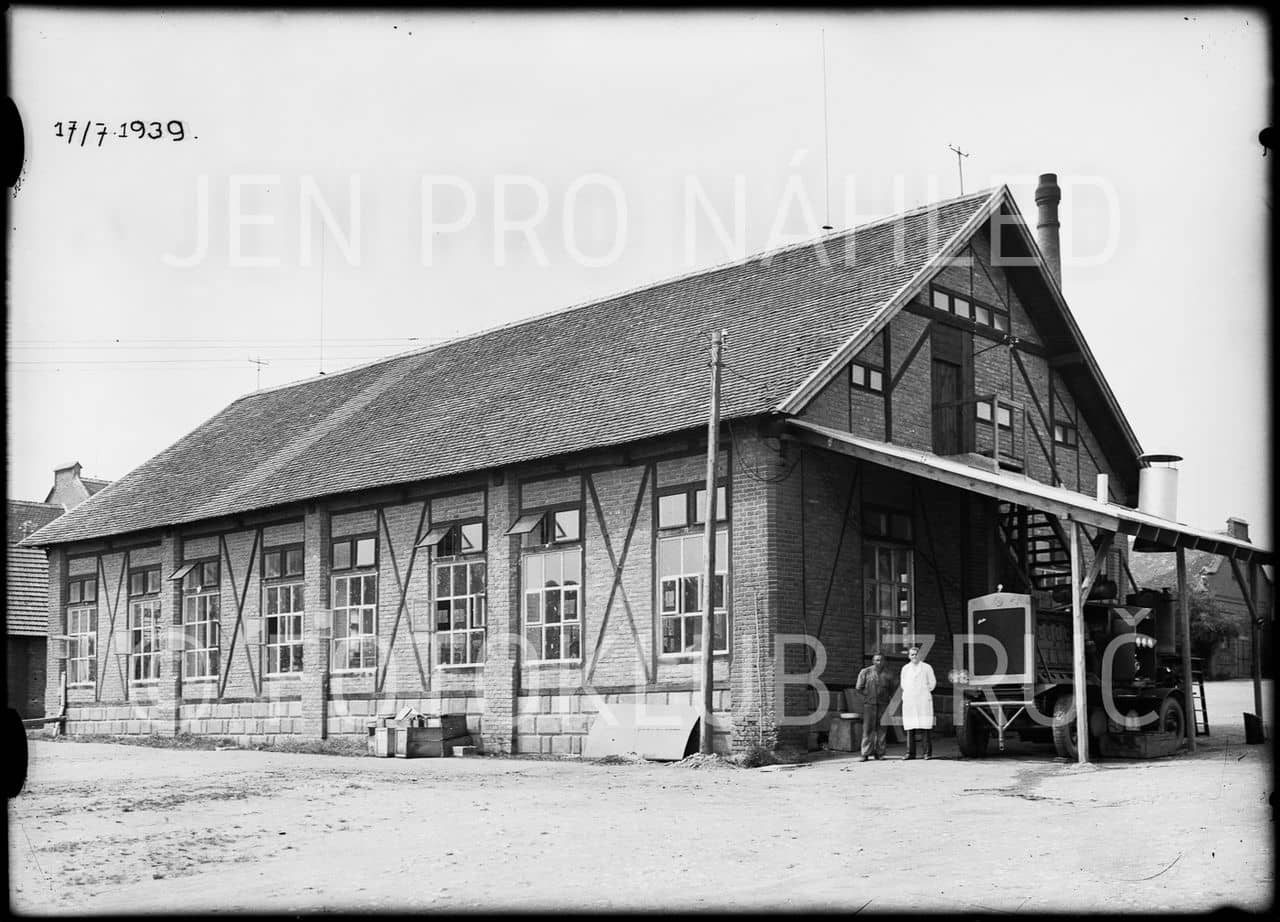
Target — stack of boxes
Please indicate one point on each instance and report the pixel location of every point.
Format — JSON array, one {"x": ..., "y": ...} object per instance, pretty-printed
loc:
[{"x": 410, "y": 735}]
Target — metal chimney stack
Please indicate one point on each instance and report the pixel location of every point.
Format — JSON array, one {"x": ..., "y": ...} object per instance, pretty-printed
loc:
[{"x": 1048, "y": 195}]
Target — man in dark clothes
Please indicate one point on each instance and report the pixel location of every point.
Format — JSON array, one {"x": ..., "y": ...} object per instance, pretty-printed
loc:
[{"x": 876, "y": 686}]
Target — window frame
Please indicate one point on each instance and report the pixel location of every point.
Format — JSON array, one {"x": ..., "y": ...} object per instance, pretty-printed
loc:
[
  {"x": 288, "y": 624},
  {"x": 144, "y": 625},
  {"x": 870, "y": 517},
  {"x": 1068, "y": 429},
  {"x": 693, "y": 517},
  {"x": 874, "y": 619},
  {"x": 998, "y": 318},
  {"x": 281, "y": 552},
  {"x": 474, "y": 610},
  {"x": 679, "y": 614},
  {"x": 82, "y": 644},
  {"x": 197, "y": 591},
  {"x": 76, "y": 586},
  {"x": 352, "y": 543},
  {"x": 363, "y": 639},
  {"x": 867, "y": 383},
  {"x": 994, "y": 413},
  {"x": 564, "y": 552}
]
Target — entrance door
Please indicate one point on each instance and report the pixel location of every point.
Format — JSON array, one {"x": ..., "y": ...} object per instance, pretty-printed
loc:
[{"x": 946, "y": 408}]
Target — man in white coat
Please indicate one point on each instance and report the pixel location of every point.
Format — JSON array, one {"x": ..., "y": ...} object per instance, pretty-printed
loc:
[{"x": 918, "y": 682}]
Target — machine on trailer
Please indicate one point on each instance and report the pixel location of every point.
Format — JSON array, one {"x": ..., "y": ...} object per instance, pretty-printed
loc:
[{"x": 1017, "y": 675}]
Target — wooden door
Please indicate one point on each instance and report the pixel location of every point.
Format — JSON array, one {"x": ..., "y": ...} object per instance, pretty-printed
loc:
[{"x": 946, "y": 408}]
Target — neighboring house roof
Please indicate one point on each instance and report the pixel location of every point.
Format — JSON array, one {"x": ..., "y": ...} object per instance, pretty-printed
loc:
[
  {"x": 609, "y": 372},
  {"x": 1160, "y": 569},
  {"x": 93, "y": 485},
  {"x": 27, "y": 574}
]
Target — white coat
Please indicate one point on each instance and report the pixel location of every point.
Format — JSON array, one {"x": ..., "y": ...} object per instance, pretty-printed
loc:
[{"x": 917, "y": 696}]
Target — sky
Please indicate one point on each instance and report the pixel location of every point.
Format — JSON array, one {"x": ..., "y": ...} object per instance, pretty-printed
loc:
[{"x": 328, "y": 188}]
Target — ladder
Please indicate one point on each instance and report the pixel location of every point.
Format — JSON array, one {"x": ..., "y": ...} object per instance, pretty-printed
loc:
[{"x": 1199, "y": 707}]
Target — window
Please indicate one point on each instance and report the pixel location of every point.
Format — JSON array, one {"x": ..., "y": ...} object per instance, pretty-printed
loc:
[
  {"x": 880, "y": 522},
  {"x": 549, "y": 526},
  {"x": 865, "y": 377},
  {"x": 200, "y": 614},
  {"x": 688, "y": 506},
  {"x": 553, "y": 605},
  {"x": 982, "y": 314},
  {"x": 354, "y": 552},
  {"x": 460, "y": 603},
  {"x": 82, "y": 645},
  {"x": 1003, "y": 413},
  {"x": 282, "y": 561},
  {"x": 452, "y": 540},
  {"x": 1064, "y": 433},
  {"x": 144, "y": 624},
  {"x": 283, "y": 602},
  {"x": 355, "y": 621},
  {"x": 889, "y": 609},
  {"x": 681, "y": 567},
  {"x": 283, "y": 607},
  {"x": 82, "y": 589}
]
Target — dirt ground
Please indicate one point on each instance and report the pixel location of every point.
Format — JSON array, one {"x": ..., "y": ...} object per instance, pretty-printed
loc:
[{"x": 108, "y": 828}]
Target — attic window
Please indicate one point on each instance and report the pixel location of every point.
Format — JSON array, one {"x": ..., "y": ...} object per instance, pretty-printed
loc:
[
  {"x": 982, "y": 314},
  {"x": 1065, "y": 434},
  {"x": 452, "y": 539},
  {"x": 865, "y": 377},
  {"x": 355, "y": 552},
  {"x": 983, "y": 412}
]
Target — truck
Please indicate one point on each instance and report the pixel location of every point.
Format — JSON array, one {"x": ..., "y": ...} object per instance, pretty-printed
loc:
[{"x": 1017, "y": 675}]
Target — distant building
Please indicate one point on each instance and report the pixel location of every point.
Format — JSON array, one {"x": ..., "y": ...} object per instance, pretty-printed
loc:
[
  {"x": 1211, "y": 572},
  {"x": 27, "y": 587}
]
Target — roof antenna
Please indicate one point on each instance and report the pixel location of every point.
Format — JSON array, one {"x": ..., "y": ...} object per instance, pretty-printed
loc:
[
  {"x": 259, "y": 361},
  {"x": 959, "y": 164},
  {"x": 826, "y": 141}
]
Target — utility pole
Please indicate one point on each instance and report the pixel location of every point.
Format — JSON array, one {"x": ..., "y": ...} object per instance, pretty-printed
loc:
[
  {"x": 709, "y": 545},
  {"x": 959, "y": 163}
]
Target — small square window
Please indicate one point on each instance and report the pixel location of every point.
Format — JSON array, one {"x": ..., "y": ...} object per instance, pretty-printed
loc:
[
  {"x": 982, "y": 314},
  {"x": 1005, "y": 417},
  {"x": 137, "y": 583},
  {"x": 366, "y": 552},
  {"x": 568, "y": 527},
  {"x": 858, "y": 375},
  {"x": 342, "y": 555},
  {"x": 293, "y": 562},
  {"x": 271, "y": 564},
  {"x": 1000, "y": 320},
  {"x": 90, "y": 590},
  {"x": 960, "y": 306},
  {"x": 700, "y": 505},
  {"x": 941, "y": 301},
  {"x": 984, "y": 410},
  {"x": 875, "y": 380},
  {"x": 153, "y": 581},
  {"x": 673, "y": 510},
  {"x": 73, "y": 592},
  {"x": 472, "y": 537},
  {"x": 209, "y": 574}
]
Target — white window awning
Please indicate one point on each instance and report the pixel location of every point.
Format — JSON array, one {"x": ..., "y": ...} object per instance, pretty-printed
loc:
[
  {"x": 432, "y": 537},
  {"x": 181, "y": 572},
  {"x": 526, "y": 523}
]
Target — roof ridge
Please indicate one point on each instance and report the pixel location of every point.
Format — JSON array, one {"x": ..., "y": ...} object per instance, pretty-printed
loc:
[
  {"x": 635, "y": 289},
  {"x": 33, "y": 502}
]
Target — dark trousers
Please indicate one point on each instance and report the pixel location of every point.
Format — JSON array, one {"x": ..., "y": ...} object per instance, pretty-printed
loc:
[{"x": 911, "y": 742}]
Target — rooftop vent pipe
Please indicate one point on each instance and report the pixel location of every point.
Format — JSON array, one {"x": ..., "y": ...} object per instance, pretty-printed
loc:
[{"x": 1048, "y": 195}]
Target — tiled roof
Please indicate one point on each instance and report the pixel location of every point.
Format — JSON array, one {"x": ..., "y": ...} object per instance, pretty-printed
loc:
[
  {"x": 27, "y": 592},
  {"x": 93, "y": 485},
  {"x": 605, "y": 373}
]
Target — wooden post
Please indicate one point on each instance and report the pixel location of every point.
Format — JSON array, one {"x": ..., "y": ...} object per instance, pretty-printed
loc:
[
  {"x": 1255, "y": 621},
  {"x": 709, "y": 546},
  {"x": 1184, "y": 604},
  {"x": 1251, "y": 602},
  {"x": 1080, "y": 686}
]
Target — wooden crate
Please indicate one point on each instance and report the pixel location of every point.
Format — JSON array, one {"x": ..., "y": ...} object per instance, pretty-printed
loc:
[
  {"x": 385, "y": 740},
  {"x": 418, "y": 743}
]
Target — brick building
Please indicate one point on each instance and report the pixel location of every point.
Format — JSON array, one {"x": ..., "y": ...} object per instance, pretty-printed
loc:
[
  {"x": 508, "y": 524},
  {"x": 27, "y": 588},
  {"x": 1230, "y": 659}
]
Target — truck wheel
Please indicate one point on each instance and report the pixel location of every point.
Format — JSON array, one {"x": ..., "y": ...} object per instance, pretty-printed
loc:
[
  {"x": 1172, "y": 718},
  {"x": 974, "y": 735},
  {"x": 1064, "y": 727}
]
